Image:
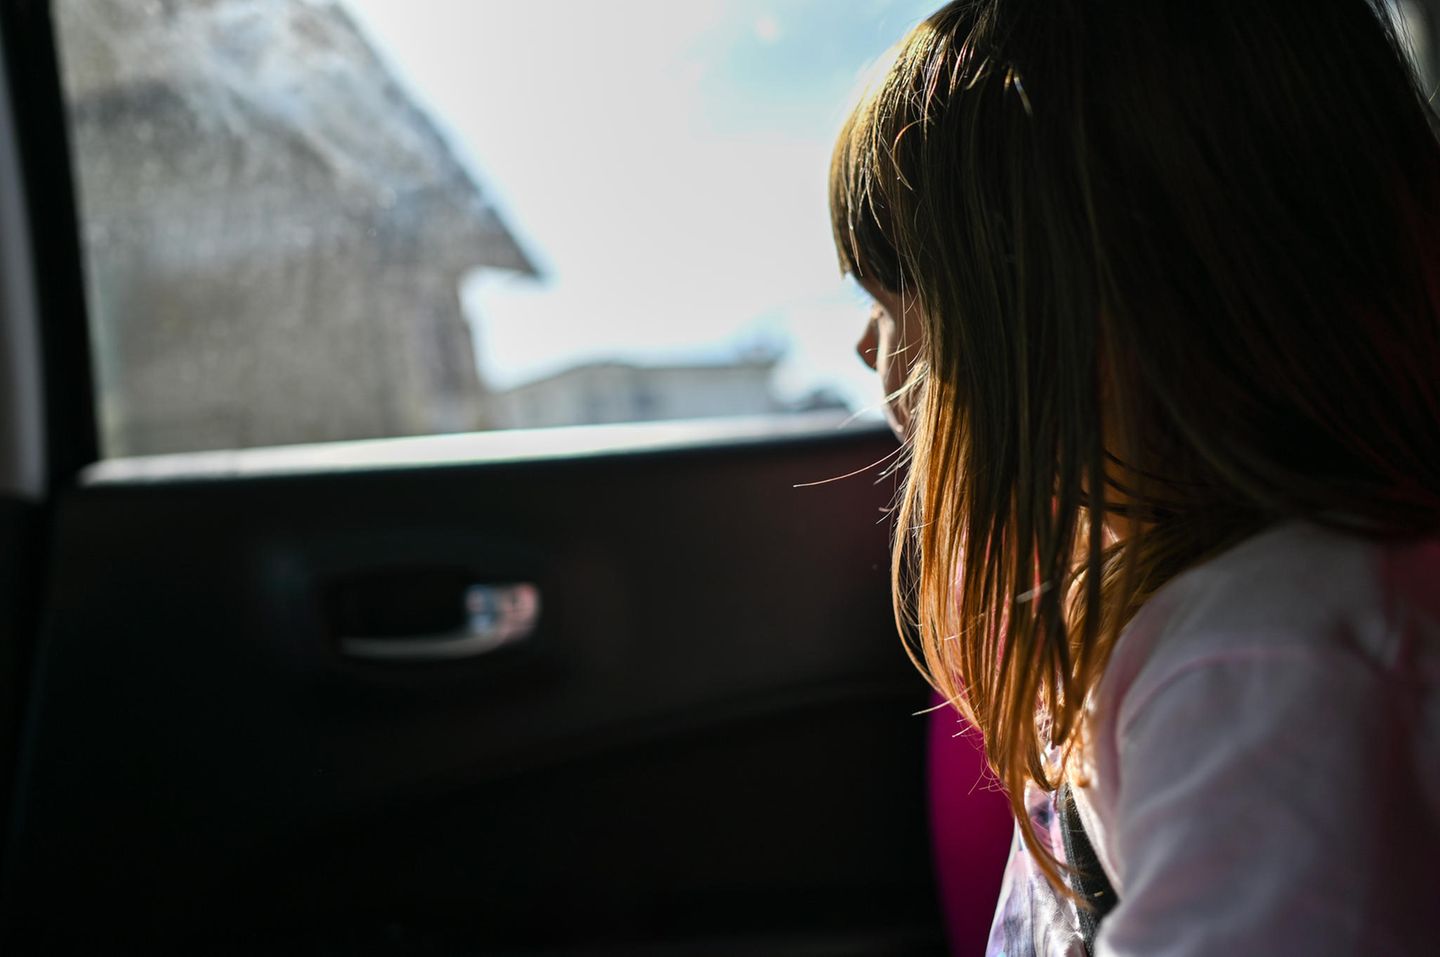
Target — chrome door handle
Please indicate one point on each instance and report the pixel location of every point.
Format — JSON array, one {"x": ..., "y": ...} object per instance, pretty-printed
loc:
[{"x": 497, "y": 616}]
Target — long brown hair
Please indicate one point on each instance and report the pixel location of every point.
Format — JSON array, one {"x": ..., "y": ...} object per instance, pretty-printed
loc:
[{"x": 1178, "y": 266}]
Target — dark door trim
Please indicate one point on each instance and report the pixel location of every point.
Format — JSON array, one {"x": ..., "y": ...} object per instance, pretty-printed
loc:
[{"x": 38, "y": 106}]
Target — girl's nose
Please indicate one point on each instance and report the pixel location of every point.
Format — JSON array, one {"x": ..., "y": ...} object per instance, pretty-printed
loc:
[{"x": 869, "y": 344}]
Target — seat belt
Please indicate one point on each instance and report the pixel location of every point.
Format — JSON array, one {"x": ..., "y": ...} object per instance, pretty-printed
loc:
[{"x": 1086, "y": 877}]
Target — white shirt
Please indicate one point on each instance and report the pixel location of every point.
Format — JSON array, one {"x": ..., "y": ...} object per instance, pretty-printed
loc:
[{"x": 1265, "y": 761}]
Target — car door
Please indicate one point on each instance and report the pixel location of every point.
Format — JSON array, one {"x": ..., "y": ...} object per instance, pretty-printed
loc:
[{"x": 626, "y": 689}]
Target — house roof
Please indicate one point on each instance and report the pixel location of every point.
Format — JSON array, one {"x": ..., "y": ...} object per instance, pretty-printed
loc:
[{"x": 276, "y": 78}]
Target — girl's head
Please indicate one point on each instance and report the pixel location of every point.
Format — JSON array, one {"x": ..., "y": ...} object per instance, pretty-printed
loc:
[{"x": 1174, "y": 272}]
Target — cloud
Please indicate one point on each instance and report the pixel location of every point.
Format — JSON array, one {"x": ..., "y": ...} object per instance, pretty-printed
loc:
[{"x": 767, "y": 28}]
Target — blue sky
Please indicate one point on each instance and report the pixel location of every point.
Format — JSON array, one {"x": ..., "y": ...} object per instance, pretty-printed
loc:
[{"x": 663, "y": 161}]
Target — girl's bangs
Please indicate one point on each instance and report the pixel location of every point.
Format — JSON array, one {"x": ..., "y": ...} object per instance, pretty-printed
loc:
[{"x": 857, "y": 208}]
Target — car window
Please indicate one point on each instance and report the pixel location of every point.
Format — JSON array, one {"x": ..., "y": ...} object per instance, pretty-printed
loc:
[{"x": 314, "y": 220}]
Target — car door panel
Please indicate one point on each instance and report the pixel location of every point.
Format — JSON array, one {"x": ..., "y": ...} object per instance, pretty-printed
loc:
[{"x": 709, "y": 733}]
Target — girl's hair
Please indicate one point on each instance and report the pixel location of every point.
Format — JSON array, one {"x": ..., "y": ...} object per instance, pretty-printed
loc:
[{"x": 1177, "y": 266}]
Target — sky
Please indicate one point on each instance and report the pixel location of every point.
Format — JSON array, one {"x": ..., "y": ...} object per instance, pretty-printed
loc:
[{"x": 662, "y": 161}]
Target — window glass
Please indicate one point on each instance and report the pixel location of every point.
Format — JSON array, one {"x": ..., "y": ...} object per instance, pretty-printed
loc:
[{"x": 313, "y": 220}]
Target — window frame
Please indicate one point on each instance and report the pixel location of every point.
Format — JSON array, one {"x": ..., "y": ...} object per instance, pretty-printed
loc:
[{"x": 45, "y": 187}]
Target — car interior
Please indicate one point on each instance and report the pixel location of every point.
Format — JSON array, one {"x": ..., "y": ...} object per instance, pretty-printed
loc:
[
  {"x": 614, "y": 690},
  {"x": 614, "y": 687}
]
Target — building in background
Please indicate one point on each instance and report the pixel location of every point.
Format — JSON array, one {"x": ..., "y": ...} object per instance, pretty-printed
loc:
[
  {"x": 604, "y": 392},
  {"x": 275, "y": 234}
]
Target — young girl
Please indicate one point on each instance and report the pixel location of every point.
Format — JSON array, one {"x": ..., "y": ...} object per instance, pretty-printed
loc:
[{"x": 1157, "y": 299}]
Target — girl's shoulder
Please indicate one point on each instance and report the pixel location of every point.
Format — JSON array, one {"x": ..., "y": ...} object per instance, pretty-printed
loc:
[
  {"x": 1269, "y": 731},
  {"x": 1296, "y": 590}
]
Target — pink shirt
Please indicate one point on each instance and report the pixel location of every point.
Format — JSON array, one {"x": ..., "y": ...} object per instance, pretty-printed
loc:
[{"x": 1265, "y": 773}]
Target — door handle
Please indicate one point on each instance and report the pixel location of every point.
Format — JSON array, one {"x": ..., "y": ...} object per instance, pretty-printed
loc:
[{"x": 495, "y": 616}]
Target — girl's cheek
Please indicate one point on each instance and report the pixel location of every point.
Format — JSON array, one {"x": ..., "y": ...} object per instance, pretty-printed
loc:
[
  {"x": 893, "y": 360},
  {"x": 892, "y": 368}
]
